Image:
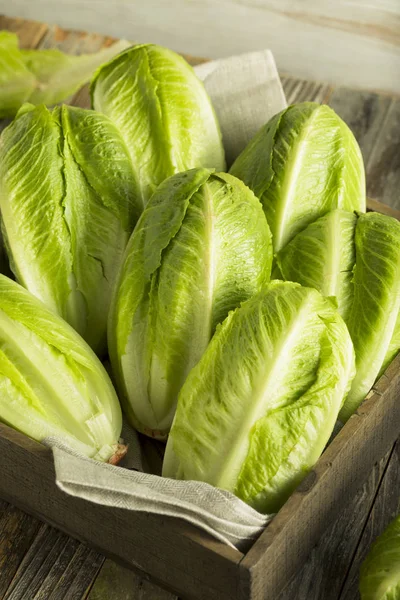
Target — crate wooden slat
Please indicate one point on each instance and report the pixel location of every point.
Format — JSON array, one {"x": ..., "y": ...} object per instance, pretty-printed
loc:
[
  {"x": 175, "y": 553},
  {"x": 170, "y": 552}
]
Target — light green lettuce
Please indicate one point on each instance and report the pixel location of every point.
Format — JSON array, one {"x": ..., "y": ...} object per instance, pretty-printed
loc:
[
  {"x": 380, "y": 572},
  {"x": 200, "y": 248},
  {"x": 16, "y": 81},
  {"x": 375, "y": 309},
  {"x": 322, "y": 256},
  {"x": 356, "y": 260},
  {"x": 43, "y": 76},
  {"x": 162, "y": 111},
  {"x": 256, "y": 412},
  {"x": 303, "y": 163},
  {"x": 69, "y": 202},
  {"x": 51, "y": 383}
]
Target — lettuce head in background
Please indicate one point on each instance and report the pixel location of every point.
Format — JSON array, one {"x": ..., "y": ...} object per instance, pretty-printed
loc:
[{"x": 43, "y": 76}]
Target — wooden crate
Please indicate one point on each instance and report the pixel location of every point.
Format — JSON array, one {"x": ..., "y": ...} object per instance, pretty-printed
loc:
[{"x": 169, "y": 551}]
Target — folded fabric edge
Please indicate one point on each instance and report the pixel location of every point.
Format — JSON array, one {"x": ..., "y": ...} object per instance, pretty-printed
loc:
[{"x": 239, "y": 534}]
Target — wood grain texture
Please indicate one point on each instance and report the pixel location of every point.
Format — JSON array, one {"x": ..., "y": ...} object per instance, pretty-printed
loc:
[
  {"x": 342, "y": 43},
  {"x": 301, "y": 90},
  {"x": 175, "y": 553},
  {"x": 17, "y": 532},
  {"x": 386, "y": 507},
  {"x": 375, "y": 122},
  {"x": 324, "y": 573},
  {"x": 117, "y": 582},
  {"x": 56, "y": 567},
  {"x": 383, "y": 166}
]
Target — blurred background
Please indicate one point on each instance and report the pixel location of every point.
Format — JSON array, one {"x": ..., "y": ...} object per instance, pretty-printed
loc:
[{"x": 347, "y": 42}]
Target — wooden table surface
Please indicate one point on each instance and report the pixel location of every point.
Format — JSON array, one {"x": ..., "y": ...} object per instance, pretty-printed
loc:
[{"x": 38, "y": 562}]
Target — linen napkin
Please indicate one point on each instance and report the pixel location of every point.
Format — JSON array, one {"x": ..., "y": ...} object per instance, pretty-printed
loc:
[{"x": 246, "y": 92}]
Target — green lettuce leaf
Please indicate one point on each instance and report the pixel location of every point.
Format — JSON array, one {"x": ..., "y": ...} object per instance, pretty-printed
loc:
[
  {"x": 69, "y": 202},
  {"x": 162, "y": 111},
  {"x": 380, "y": 572},
  {"x": 201, "y": 247},
  {"x": 256, "y": 412},
  {"x": 356, "y": 260},
  {"x": 376, "y": 304},
  {"x": 43, "y": 76},
  {"x": 16, "y": 81},
  {"x": 303, "y": 163},
  {"x": 72, "y": 398},
  {"x": 322, "y": 256},
  {"x": 393, "y": 347}
]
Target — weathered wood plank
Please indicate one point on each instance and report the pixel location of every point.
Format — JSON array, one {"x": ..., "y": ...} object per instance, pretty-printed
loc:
[
  {"x": 174, "y": 552},
  {"x": 364, "y": 113},
  {"x": 342, "y": 43},
  {"x": 54, "y": 567},
  {"x": 301, "y": 90},
  {"x": 386, "y": 508},
  {"x": 383, "y": 166},
  {"x": 375, "y": 122},
  {"x": 84, "y": 578},
  {"x": 115, "y": 581},
  {"x": 377, "y": 206},
  {"x": 17, "y": 531},
  {"x": 30, "y": 33},
  {"x": 325, "y": 570},
  {"x": 77, "y": 578}
]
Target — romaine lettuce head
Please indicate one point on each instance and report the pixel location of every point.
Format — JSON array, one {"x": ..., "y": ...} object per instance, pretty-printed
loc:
[
  {"x": 51, "y": 383},
  {"x": 356, "y": 260},
  {"x": 375, "y": 309},
  {"x": 200, "y": 248},
  {"x": 47, "y": 76},
  {"x": 256, "y": 412},
  {"x": 380, "y": 572},
  {"x": 162, "y": 111},
  {"x": 69, "y": 202},
  {"x": 303, "y": 163}
]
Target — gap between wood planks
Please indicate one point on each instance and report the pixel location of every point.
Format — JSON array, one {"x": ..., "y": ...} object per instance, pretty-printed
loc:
[{"x": 367, "y": 518}]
